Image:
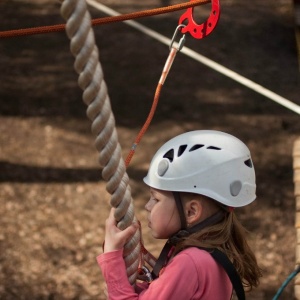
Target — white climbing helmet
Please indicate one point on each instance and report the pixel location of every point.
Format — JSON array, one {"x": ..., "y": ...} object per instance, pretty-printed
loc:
[{"x": 207, "y": 162}]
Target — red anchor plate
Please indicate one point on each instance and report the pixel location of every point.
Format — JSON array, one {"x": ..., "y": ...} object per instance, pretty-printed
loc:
[{"x": 199, "y": 31}]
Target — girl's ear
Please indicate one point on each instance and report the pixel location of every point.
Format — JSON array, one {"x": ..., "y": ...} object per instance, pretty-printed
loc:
[{"x": 193, "y": 211}]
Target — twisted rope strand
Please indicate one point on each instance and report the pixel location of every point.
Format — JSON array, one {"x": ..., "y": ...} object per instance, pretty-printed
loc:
[{"x": 95, "y": 96}]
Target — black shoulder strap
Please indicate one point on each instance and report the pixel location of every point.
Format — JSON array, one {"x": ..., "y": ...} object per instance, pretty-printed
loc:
[
  {"x": 218, "y": 256},
  {"x": 233, "y": 275},
  {"x": 162, "y": 260}
]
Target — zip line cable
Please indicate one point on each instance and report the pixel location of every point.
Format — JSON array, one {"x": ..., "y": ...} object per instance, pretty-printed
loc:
[
  {"x": 204, "y": 60},
  {"x": 106, "y": 20},
  {"x": 115, "y": 16}
]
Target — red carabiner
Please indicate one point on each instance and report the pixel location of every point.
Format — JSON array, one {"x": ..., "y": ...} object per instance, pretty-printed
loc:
[{"x": 204, "y": 29}]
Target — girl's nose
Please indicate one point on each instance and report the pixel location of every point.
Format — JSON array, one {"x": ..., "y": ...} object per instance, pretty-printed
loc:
[{"x": 148, "y": 205}]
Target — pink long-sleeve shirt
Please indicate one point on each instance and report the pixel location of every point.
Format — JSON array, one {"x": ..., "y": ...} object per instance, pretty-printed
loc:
[{"x": 191, "y": 274}]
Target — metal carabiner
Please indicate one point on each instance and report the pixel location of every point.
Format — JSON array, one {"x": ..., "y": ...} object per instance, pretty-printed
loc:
[
  {"x": 200, "y": 31},
  {"x": 145, "y": 274},
  {"x": 181, "y": 41},
  {"x": 173, "y": 51}
]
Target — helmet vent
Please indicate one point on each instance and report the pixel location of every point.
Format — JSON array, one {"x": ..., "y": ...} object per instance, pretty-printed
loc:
[
  {"x": 169, "y": 155},
  {"x": 196, "y": 147},
  {"x": 248, "y": 163},
  {"x": 181, "y": 150},
  {"x": 213, "y": 148}
]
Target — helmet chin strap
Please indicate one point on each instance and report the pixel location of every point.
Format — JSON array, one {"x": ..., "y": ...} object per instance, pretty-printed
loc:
[
  {"x": 180, "y": 210},
  {"x": 213, "y": 219}
]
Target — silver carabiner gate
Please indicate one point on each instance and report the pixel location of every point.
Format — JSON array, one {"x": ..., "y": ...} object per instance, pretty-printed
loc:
[
  {"x": 172, "y": 54},
  {"x": 181, "y": 41}
]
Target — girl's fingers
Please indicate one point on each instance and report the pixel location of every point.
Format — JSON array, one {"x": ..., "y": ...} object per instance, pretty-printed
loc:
[
  {"x": 112, "y": 213},
  {"x": 111, "y": 218},
  {"x": 115, "y": 238},
  {"x": 130, "y": 231}
]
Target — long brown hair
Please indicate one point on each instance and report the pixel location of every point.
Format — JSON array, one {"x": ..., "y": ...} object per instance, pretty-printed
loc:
[{"x": 229, "y": 237}]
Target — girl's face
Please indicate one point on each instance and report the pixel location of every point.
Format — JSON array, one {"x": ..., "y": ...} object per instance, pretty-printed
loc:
[{"x": 163, "y": 216}]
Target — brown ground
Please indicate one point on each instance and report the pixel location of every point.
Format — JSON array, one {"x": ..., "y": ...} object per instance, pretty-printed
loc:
[{"x": 52, "y": 201}]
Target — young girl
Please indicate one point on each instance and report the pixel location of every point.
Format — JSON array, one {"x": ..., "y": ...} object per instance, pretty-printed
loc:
[{"x": 196, "y": 180}]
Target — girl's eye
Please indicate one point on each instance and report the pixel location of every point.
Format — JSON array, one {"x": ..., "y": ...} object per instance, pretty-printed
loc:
[{"x": 154, "y": 199}]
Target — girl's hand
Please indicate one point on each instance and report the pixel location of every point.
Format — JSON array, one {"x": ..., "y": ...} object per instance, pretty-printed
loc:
[{"x": 115, "y": 239}]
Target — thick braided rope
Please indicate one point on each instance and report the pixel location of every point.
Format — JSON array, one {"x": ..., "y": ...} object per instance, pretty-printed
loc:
[{"x": 95, "y": 96}]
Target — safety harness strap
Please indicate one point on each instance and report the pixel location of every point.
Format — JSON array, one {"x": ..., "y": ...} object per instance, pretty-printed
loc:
[
  {"x": 162, "y": 260},
  {"x": 229, "y": 268},
  {"x": 217, "y": 255}
]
